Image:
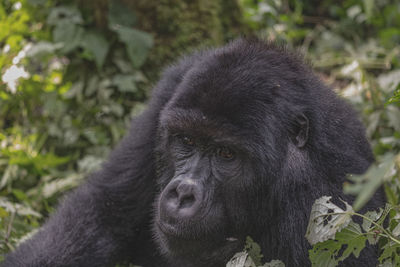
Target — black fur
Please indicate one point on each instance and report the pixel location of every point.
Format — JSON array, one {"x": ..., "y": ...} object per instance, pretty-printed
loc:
[{"x": 294, "y": 141}]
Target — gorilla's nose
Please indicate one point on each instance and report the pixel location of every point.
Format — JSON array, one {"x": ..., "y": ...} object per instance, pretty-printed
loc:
[{"x": 181, "y": 199}]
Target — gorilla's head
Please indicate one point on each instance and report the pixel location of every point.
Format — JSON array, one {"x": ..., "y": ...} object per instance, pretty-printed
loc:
[{"x": 243, "y": 128}]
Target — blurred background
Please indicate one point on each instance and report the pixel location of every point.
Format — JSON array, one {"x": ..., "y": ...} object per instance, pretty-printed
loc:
[{"x": 74, "y": 72}]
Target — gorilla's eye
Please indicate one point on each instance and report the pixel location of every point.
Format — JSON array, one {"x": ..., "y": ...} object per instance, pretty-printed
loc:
[
  {"x": 187, "y": 140},
  {"x": 225, "y": 152}
]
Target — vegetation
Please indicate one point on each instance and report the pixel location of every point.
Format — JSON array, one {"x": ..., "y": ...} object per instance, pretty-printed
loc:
[{"x": 74, "y": 73}]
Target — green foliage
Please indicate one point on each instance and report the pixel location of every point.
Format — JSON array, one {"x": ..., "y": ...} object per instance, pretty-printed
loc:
[
  {"x": 254, "y": 250},
  {"x": 79, "y": 86},
  {"x": 335, "y": 236},
  {"x": 329, "y": 253}
]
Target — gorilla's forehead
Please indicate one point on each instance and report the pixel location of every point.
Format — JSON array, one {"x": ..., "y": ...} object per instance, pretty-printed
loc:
[
  {"x": 228, "y": 88},
  {"x": 234, "y": 91},
  {"x": 239, "y": 80},
  {"x": 197, "y": 123}
]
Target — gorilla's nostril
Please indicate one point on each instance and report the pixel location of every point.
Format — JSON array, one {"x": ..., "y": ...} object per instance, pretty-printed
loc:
[
  {"x": 172, "y": 194},
  {"x": 184, "y": 188},
  {"x": 186, "y": 201}
]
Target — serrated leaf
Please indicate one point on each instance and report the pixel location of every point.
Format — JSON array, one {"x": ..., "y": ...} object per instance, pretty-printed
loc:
[
  {"x": 321, "y": 254},
  {"x": 353, "y": 237},
  {"x": 323, "y": 225},
  {"x": 389, "y": 250},
  {"x": 330, "y": 253},
  {"x": 137, "y": 44}
]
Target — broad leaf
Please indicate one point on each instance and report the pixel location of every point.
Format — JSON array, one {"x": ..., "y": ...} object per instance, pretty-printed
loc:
[
  {"x": 97, "y": 45},
  {"x": 137, "y": 44},
  {"x": 69, "y": 35},
  {"x": 326, "y": 219}
]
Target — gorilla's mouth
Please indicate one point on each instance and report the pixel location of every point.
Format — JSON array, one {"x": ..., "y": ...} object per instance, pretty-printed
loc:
[
  {"x": 205, "y": 249},
  {"x": 193, "y": 233}
]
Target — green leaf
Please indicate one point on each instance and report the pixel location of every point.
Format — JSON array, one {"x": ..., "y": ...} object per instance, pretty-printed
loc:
[
  {"x": 125, "y": 83},
  {"x": 396, "y": 96},
  {"x": 323, "y": 225},
  {"x": 254, "y": 250},
  {"x": 64, "y": 15},
  {"x": 391, "y": 196},
  {"x": 137, "y": 44},
  {"x": 373, "y": 122},
  {"x": 330, "y": 253},
  {"x": 3, "y": 213},
  {"x": 393, "y": 114},
  {"x": 20, "y": 195},
  {"x": 120, "y": 15},
  {"x": 390, "y": 250},
  {"x": 396, "y": 230},
  {"x": 364, "y": 186},
  {"x": 97, "y": 45},
  {"x": 354, "y": 238},
  {"x": 69, "y": 35}
]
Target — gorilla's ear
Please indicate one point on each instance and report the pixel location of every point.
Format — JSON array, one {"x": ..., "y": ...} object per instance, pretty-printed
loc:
[{"x": 300, "y": 130}]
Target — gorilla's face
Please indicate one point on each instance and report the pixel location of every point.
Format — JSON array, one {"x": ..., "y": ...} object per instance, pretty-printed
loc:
[
  {"x": 216, "y": 143},
  {"x": 193, "y": 216}
]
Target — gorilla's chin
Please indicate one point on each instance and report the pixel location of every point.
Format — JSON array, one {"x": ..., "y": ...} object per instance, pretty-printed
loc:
[{"x": 208, "y": 250}]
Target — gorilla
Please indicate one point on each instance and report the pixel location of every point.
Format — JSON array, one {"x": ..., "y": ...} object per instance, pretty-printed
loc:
[{"x": 236, "y": 141}]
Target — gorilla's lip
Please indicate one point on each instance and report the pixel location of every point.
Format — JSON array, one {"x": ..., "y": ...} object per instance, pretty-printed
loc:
[{"x": 170, "y": 230}]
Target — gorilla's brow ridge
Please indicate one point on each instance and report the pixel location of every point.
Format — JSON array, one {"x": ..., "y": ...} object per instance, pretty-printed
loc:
[{"x": 197, "y": 124}]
